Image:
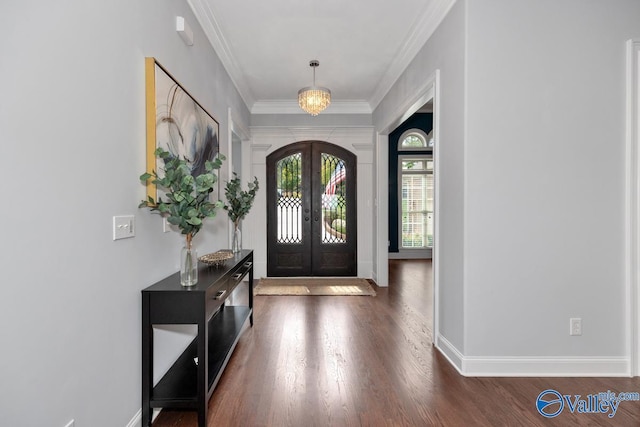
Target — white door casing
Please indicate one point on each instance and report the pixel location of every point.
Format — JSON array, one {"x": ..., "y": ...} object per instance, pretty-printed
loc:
[{"x": 632, "y": 202}]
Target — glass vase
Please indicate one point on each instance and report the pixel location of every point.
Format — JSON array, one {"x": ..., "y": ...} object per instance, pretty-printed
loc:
[
  {"x": 188, "y": 265},
  {"x": 236, "y": 243}
]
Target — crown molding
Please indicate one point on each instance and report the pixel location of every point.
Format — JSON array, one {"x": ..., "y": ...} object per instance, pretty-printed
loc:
[
  {"x": 424, "y": 26},
  {"x": 292, "y": 107},
  {"x": 210, "y": 26},
  {"x": 423, "y": 29}
]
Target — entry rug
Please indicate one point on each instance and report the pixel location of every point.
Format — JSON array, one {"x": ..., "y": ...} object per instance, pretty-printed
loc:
[{"x": 314, "y": 286}]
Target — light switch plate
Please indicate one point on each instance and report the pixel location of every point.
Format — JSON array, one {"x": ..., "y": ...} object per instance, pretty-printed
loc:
[{"x": 124, "y": 227}]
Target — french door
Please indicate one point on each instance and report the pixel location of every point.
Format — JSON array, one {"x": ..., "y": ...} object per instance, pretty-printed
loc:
[{"x": 311, "y": 211}]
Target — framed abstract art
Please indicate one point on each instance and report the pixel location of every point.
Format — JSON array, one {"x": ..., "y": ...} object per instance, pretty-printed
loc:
[{"x": 177, "y": 123}]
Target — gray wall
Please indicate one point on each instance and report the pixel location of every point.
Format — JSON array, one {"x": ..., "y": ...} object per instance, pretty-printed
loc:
[
  {"x": 73, "y": 136},
  {"x": 544, "y": 195}
]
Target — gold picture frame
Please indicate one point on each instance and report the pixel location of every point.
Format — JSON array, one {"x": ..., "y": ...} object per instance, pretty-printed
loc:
[{"x": 177, "y": 123}]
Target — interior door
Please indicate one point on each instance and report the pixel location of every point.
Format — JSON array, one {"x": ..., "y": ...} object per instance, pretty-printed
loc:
[{"x": 311, "y": 211}]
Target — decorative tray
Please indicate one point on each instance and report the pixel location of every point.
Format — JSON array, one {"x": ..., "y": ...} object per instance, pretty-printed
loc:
[{"x": 216, "y": 259}]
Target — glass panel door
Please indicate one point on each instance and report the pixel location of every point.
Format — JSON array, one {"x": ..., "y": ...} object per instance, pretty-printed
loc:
[
  {"x": 311, "y": 211},
  {"x": 334, "y": 201},
  {"x": 289, "y": 199}
]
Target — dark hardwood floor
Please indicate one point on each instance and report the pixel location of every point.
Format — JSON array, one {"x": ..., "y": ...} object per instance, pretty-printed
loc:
[{"x": 369, "y": 361}]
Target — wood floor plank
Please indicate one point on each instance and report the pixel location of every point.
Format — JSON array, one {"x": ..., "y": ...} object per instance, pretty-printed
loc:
[{"x": 369, "y": 361}]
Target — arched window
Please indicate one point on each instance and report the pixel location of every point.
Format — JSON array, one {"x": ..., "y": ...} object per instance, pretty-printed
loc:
[
  {"x": 415, "y": 190},
  {"x": 414, "y": 140}
]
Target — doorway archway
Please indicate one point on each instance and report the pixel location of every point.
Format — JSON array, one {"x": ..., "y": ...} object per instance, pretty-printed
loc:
[{"x": 429, "y": 92}]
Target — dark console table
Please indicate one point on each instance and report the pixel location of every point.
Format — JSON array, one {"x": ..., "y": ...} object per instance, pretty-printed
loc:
[{"x": 190, "y": 381}]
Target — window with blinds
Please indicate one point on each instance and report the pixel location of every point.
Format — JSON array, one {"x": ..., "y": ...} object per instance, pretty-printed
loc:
[{"x": 416, "y": 178}]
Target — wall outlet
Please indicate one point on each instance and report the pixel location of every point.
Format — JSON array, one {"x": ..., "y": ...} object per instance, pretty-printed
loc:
[{"x": 575, "y": 326}]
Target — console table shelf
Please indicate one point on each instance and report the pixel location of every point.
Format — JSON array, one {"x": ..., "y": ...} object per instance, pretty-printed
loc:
[{"x": 192, "y": 378}]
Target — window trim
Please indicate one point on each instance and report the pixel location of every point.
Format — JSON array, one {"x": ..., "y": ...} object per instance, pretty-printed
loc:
[{"x": 414, "y": 131}]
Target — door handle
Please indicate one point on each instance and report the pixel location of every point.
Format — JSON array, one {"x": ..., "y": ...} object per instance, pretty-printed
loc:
[{"x": 306, "y": 218}]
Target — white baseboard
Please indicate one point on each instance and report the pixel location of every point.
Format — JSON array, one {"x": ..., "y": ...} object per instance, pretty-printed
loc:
[
  {"x": 470, "y": 366},
  {"x": 136, "y": 421},
  {"x": 374, "y": 276},
  {"x": 450, "y": 352},
  {"x": 546, "y": 366},
  {"x": 411, "y": 254}
]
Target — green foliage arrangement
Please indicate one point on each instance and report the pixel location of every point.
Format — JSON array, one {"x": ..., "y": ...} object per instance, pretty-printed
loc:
[
  {"x": 239, "y": 202},
  {"x": 188, "y": 199}
]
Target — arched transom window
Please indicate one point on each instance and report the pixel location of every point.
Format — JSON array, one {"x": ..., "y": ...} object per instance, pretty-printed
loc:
[{"x": 413, "y": 140}]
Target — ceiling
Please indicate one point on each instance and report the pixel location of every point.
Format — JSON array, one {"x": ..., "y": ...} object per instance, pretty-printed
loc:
[{"x": 362, "y": 45}]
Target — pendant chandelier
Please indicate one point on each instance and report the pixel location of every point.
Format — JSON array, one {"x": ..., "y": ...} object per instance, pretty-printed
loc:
[{"x": 314, "y": 99}]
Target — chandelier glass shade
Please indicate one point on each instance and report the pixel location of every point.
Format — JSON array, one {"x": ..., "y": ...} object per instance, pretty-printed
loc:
[{"x": 314, "y": 99}]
